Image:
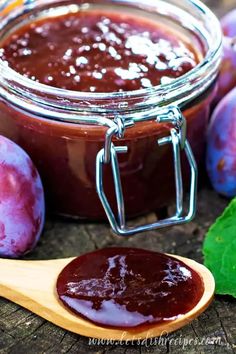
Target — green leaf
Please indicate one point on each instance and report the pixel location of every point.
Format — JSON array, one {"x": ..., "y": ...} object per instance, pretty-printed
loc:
[{"x": 219, "y": 251}]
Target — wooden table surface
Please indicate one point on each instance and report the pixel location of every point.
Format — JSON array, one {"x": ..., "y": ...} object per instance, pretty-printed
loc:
[{"x": 213, "y": 332}]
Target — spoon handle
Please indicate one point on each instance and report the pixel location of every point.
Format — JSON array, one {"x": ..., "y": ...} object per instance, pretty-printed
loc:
[
  {"x": 28, "y": 277},
  {"x": 14, "y": 273}
]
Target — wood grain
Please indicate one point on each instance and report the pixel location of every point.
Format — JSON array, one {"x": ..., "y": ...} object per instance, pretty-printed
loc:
[{"x": 23, "y": 332}]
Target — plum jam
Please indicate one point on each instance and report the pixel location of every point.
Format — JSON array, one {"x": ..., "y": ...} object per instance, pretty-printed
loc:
[
  {"x": 67, "y": 71},
  {"x": 98, "y": 52},
  {"x": 127, "y": 287}
]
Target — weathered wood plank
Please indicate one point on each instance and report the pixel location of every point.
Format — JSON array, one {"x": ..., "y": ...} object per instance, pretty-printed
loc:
[{"x": 23, "y": 332}]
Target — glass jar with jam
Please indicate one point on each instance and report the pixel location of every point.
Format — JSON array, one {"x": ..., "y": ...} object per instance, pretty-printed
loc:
[{"x": 98, "y": 92}]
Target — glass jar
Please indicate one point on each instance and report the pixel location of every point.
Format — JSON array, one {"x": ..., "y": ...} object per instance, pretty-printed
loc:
[{"x": 63, "y": 131}]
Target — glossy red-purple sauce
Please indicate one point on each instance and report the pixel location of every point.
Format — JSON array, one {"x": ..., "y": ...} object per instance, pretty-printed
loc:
[
  {"x": 127, "y": 287},
  {"x": 95, "y": 51}
]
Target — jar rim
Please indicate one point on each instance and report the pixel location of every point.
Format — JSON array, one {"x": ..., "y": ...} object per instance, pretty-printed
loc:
[{"x": 212, "y": 56}]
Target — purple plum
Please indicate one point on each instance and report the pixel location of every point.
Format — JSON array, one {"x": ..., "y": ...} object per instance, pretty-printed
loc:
[
  {"x": 227, "y": 77},
  {"x": 221, "y": 146},
  {"x": 21, "y": 201},
  {"x": 228, "y": 24}
]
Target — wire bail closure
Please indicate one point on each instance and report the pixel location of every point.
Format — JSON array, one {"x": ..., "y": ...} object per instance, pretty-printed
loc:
[
  {"x": 109, "y": 154},
  {"x": 118, "y": 129}
]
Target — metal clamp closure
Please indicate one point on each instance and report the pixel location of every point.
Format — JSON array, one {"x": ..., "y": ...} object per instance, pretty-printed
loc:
[
  {"x": 174, "y": 116},
  {"x": 120, "y": 124},
  {"x": 109, "y": 154}
]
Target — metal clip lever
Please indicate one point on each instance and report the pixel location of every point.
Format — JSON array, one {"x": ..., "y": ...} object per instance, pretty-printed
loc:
[
  {"x": 173, "y": 115},
  {"x": 118, "y": 129},
  {"x": 118, "y": 188},
  {"x": 119, "y": 226}
]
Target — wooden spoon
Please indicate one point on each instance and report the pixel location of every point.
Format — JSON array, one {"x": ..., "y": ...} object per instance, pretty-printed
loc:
[{"x": 31, "y": 284}]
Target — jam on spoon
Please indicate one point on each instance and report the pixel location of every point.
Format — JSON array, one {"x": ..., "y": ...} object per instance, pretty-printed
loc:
[{"x": 129, "y": 287}]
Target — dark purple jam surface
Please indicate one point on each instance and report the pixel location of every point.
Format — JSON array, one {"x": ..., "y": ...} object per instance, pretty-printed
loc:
[
  {"x": 128, "y": 287},
  {"x": 95, "y": 51}
]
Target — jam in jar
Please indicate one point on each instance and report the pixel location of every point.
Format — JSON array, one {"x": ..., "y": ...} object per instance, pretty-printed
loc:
[
  {"x": 69, "y": 70},
  {"x": 99, "y": 52}
]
